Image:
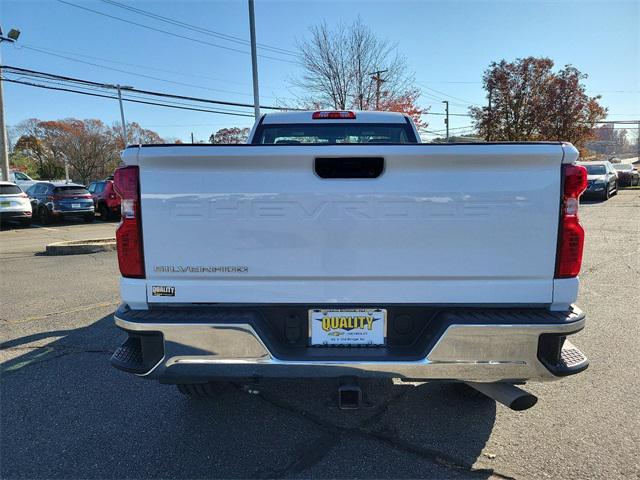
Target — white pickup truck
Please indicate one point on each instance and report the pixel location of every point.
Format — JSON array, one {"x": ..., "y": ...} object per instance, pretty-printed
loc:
[{"x": 335, "y": 244}]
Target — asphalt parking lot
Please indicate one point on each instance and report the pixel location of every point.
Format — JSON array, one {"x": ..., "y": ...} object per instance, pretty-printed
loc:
[{"x": 66, "y": 413}]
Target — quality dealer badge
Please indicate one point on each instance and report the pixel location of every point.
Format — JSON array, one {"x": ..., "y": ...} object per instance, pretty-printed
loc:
[{"x": 163, "y": 291}]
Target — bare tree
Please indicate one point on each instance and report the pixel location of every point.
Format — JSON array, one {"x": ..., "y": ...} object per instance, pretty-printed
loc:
[{"x": 338, "y": 65}]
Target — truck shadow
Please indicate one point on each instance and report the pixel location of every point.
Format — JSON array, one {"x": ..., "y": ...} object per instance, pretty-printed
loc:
[{"x": 66, "y": 413}]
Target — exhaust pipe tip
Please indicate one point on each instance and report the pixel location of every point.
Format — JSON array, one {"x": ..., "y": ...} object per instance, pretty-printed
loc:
[
  {"x": 507, "y": 394},
  {"x": 523, "y": 402}
]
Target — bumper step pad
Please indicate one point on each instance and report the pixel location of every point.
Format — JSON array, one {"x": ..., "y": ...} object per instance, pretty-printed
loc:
[
  {"x": 569, "y": 360},
  {"x": 139, "y": 354},
  {"x": 128, "y": 356},
  {"x": 570, "y": 356}
]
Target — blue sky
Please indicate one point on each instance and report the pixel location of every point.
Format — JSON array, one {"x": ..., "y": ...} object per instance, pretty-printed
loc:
[{"x": 447, "y": 44}]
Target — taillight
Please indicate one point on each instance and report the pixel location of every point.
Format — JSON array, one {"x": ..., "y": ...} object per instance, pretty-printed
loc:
[
  {"x": 334, "y": 115},
  {"x": 126, "y": 183},
  {"x": 571, "y": 234},
  {"x": 51, "y": 198}
]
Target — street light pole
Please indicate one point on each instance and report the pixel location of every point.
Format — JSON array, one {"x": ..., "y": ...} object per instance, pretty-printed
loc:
[
  {"x": 4, "y": 144},
  {"x": 446, "y": 118},
  {"x": 66, "y": 167},
  {"x": 254, "y": 61}
]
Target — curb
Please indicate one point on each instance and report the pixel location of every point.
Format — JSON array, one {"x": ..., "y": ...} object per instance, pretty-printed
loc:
[{"x": 79, "y": 247}]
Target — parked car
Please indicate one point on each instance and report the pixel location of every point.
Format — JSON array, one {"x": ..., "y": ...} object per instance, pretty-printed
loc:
[
  {"x": 627, "y": 174},
  {"x": 21, "y": 179},
  {"x": 105, "y": 199},
  {"x": 14, "y": 204},
  {"x": 56, "y": 200},
  {"x": 345, "y": 257},
  {"x": 602, "y": 179}
]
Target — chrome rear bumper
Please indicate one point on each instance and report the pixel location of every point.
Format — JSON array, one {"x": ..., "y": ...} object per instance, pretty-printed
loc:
[{"x": 477, "y": 352}]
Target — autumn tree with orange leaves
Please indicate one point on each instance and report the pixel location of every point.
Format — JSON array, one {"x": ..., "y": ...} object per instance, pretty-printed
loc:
[
  {"x": 527, "y": 100},
  {"x": 91, "y": 148},
  {"x": 406, "y": 102}
]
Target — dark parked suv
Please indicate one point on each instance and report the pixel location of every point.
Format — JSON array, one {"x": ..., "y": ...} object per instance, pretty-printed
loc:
[
  {"x": 56, "y": 200},
  {"x": 105, "y": 199}
]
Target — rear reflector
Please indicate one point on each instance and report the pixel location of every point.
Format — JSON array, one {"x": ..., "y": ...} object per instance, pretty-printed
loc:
[
  {"x": 571, "y": 234},
  {"x": 334, "y": 115},
  {"x": 129, "y": 233}
]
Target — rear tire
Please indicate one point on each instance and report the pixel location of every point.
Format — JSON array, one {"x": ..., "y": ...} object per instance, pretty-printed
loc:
[
  {"x": 104, "y": 212},
  {"x": 44, "y": 215}
]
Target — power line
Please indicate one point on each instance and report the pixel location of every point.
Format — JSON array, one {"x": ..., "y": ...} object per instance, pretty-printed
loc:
[
  {"x": 127, "y": 94},
  {"x": 467, "y": 102},
  {"x": 37, "y": 73},
  {"x": 166, "y": 32},
  {"x": 138, "y": 74},
  {"x": 437, "y": 132},
  {"x": 451, "y": 114},
  {"x": 124, "y": 98},
  {"x": 136, "y": 65},
  {"x": 202, "y": 30}
]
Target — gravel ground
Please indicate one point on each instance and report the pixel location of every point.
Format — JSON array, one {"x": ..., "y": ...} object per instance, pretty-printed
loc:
[{"x": 65, "y": 413}]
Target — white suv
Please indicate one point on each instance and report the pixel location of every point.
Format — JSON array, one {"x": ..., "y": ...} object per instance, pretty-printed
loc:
[{"x": 14, "y": 204}]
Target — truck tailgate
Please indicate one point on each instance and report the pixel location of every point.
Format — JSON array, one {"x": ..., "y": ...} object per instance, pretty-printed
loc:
[{"x": 449, "y": 224}]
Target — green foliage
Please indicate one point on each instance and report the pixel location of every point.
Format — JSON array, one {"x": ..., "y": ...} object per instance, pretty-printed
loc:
[
  {"x": 24, "y": 163},
  {"x": 51, "y": 170}
]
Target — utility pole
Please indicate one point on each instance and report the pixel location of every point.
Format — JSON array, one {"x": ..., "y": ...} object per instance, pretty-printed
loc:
[
  {"x": 124, "y": 124},
  {"x": 376, "y": 77},
  {"x": 446, "y": 118},
  {"x": 254, "y": 61},
  {"x": 11, "y": 37},
  {"x": 192, "y": 138}
]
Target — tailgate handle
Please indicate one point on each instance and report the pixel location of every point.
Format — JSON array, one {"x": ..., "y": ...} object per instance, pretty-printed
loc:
[{"x": 349, "y": 167}]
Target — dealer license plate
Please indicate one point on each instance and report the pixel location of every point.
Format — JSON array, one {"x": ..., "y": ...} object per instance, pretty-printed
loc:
[
  {"x": 75, "y": 205},
  {"x": 5, "y": 204},
  {"x": 345, "y": 328}
]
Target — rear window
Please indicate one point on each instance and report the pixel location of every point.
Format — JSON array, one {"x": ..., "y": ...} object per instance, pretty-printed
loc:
[
  {"x": 9, "y": 190},
  {"x": 71, "y": 190},
  {"x": 596, "y": 169},
  {"x": 338, "y": 133}
]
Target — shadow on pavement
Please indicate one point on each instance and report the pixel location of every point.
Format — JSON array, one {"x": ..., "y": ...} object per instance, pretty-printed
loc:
[{"x": 66, "y": 413}]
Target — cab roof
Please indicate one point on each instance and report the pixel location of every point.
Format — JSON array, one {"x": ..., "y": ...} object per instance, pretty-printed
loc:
[{"x": 362, "y": 116}]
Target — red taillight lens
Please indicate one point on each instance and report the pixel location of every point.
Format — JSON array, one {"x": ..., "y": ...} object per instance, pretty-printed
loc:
[
  {"x": 571, "y": 234},
  {"x": 334, "y": 115},
  {"x": 575, "y": 180},
  {"x": 129, "y": 233}
]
